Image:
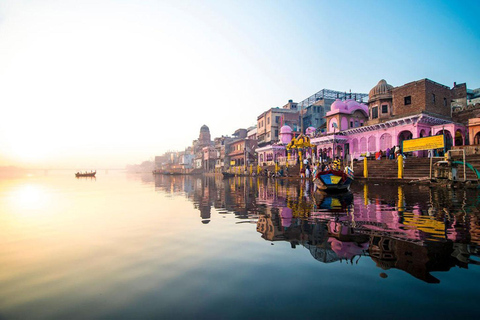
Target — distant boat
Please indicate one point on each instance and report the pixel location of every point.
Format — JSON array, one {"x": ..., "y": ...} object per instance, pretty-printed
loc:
[
  {"x": 85, "y": 174},
  {"x": 228, "y": 174},
  {"x": 334, "y": 180}
]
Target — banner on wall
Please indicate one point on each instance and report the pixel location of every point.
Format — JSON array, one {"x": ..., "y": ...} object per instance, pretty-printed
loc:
[{"x": 427, "y": 143}]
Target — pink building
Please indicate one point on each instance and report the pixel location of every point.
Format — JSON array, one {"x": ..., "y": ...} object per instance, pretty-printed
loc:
[{"x": 414, "y": 110}]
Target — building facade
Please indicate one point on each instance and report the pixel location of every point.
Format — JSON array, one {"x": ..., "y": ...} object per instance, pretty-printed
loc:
[
  {"x": 270, "y": 122},
  {"x": 393, "y": 114}
]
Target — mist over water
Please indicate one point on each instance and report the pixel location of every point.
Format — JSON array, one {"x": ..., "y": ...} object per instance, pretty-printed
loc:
[{"x": 143, "y": 246}]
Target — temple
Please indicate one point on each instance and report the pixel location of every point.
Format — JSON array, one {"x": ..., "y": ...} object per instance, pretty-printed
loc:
[{"x": 392, "y": 114}]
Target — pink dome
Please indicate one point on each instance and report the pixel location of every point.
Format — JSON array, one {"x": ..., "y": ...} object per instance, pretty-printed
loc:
[
  {"x": 351, "y": 104},
  {"x": 310, "y": 131},
  {"x": 285, "y": 129},
  {"x": 338, "y": 105},
  {"x": 347, "y": 250},
  {"x": 286, "y": 134}
]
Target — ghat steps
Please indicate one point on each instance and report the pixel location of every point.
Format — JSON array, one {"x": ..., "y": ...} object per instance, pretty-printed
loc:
[{"x": 414, "y": 168}]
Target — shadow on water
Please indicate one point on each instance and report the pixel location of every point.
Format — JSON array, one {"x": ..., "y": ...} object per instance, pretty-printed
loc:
[{"x": 416, "y": 229}]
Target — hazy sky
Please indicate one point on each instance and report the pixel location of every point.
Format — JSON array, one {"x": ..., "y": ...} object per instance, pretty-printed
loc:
[{"x": 92, "y": 84}]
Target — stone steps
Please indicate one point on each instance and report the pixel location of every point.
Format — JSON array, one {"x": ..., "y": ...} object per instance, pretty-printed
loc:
[{"x": 414, "y": 168}]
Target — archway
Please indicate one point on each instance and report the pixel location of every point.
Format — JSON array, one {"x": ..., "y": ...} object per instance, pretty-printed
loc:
[
  {"x": 404, "y": 135},
  {"x": 422, "y": 133},
  {"x": 448, "y": 138},
  {"x": 458, "y": 138},
  {"x": 476, "y": 140},
  {"x": 338, "y": 152}
]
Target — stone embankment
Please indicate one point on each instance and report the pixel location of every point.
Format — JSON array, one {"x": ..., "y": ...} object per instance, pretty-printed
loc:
[{"x": 414, "y": 168}]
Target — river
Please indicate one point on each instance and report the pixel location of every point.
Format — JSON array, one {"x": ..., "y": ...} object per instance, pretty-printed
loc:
[{"x": 196, "y": 247}]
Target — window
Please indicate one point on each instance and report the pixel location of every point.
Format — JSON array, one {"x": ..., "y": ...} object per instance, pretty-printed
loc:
[
  {"x": 268, "y": 120},
  {"x": 384, "y": 108},
  {"x": 277, "y": 119},
  {"x": 276, "y": 133},
  {"x": 351, "y": 124},
  {"x": 374, "y": 112},
  {"x": 433, "y": 98},
  {"x": 408, "y": 100},
  {"x": 444, "y": 102}
]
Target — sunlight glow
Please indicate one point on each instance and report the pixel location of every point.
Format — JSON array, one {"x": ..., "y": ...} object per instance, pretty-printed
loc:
[{"x": 29, "y": 198}]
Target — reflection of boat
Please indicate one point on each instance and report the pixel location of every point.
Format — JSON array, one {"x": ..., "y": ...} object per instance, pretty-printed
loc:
[
  {"x": 333, "y": 203},
  {"x": 228, "y": 174},
  {"x": 334, "y": 180},
  {"x": 85, "y": 174}
]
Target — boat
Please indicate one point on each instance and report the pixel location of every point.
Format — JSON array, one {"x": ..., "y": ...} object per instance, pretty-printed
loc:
[
  {"x": 334, "y": 180},
  {"x": 228, "y": 174},
  {"x": 85, "y": 174}
]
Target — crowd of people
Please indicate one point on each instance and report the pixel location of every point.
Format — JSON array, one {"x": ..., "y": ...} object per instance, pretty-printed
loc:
[{"x": 389, "y": 153}]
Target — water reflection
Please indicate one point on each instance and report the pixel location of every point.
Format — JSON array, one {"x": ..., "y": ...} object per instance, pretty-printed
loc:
[{"x": 411, "y": 228}]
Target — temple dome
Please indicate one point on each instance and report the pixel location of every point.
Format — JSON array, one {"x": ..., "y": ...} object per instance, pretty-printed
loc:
[
  {"x": 338, "y": 105},
  {"x": 286, "y": 134},
  {"x": 381, "y": 90},
  {"x": 350, "y": 104},
  {"x": 204, "y": 128}
]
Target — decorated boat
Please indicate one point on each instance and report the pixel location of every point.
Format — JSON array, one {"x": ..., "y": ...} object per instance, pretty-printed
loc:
[
  {"x": 334, "y": 180},
  {"x": 85, "y": 174}
]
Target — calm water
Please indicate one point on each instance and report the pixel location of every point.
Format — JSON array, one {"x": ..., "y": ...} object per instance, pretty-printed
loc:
[{"x": 139, "y": 246}]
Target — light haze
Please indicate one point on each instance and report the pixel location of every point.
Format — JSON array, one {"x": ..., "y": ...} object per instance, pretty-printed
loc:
[{"x": 98, "y": 84}]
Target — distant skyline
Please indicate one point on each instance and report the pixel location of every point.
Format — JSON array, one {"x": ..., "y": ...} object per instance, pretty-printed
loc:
[{"x": 94, "y": 84}]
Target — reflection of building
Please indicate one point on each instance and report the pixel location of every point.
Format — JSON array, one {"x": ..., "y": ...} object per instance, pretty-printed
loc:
[
  {"x": 417, "y": 260},
  {"x": 396, "y": 228}
]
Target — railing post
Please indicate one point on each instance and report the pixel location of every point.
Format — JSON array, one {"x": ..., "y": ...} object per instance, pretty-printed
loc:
[
  {"x": 400, "y": 166},
  {"x": 365, "y": 168}
]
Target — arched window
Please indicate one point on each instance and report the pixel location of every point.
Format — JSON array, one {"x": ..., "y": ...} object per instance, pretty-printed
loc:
[
  {"x": 355, "y": 145},
  {"x": 363, "y": 145},
  {"x": 372, "y": 147}
]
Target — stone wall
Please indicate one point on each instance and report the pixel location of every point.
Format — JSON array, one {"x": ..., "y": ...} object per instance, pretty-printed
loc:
[
  {"x": 421, "y": 98},
  {"x": 416, "y": 91},
  {"x": 470, "y": 112},
  {"x": 438, "y": 98}
]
